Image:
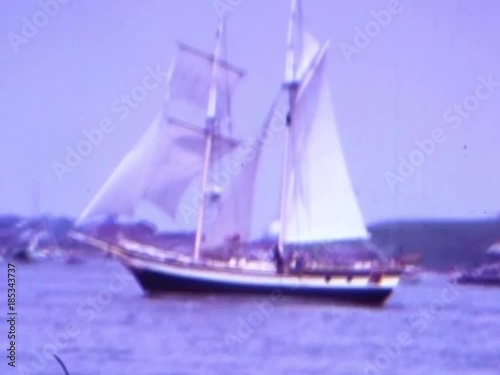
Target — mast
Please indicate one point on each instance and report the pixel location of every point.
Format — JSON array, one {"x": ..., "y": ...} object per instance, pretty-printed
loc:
[
  {"x": 291, "y": 84},
  {"x": 210, "y": 124}
]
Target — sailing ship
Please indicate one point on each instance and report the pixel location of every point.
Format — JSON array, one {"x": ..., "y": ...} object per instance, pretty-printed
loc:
[{"x": 191, "y": 139}]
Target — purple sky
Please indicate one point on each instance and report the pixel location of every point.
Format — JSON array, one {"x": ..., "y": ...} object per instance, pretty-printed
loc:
[{"x": 394, "y": 92}]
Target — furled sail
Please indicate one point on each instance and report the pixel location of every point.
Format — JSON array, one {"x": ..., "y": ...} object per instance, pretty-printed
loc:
[
  {"x": 160, "y": 168},
  {"x": 321, "y": 204}
]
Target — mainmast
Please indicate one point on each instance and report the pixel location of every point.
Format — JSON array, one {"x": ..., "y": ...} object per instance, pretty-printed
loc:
[
  {"x": 210, "y": 125},
  {"x": 291, "y": 84}
]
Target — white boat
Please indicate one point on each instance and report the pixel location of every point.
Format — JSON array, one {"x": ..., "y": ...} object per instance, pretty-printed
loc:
[{"x": 191, "y": 141}]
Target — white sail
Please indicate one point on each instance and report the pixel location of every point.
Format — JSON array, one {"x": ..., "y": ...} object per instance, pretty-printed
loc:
[
  {"x": 189, "y": 86},
  {"x": 232, "y": 217},
  {"x": 164, "y": 162},
  {"x": 169, "y": 156},
  {"x": 321, "y": 204}
]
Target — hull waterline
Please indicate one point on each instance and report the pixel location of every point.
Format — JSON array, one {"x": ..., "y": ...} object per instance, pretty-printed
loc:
[{"x": 156, "y": 283}]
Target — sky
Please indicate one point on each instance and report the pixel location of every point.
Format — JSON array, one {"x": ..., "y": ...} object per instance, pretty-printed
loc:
[{"x": 428, "y": 71}]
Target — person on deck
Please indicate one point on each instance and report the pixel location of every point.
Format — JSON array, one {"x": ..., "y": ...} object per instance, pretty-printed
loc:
[
  {"x": 298, "y": 262},
  {"x": 280, "y": 264}
]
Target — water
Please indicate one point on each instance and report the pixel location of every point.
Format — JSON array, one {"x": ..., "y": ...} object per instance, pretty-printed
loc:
[{"x": 101, "y": 323}]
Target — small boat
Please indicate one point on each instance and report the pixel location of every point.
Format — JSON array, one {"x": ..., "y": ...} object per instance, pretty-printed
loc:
[
  {"x": 31, "y": 251},
  {"x": 412, "y": 272},
  {"x": 488, "y": 273},
  {"x": 191, "y": 144},
  {"x": 411, "y": 275}
]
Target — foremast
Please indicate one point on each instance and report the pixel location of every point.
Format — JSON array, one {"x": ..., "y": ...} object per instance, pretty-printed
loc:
[{"x": 210, "y": 129}]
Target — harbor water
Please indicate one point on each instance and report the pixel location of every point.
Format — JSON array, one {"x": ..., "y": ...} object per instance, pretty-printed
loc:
[{"x": 94, "y": 316}]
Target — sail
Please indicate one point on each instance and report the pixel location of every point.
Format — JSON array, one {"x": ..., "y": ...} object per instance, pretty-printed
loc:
[
  {"x": 169, "y": 156},
  {"x": 189, "y": 86},
  {"x": 321, "y": 204},
  {"x": 161, "y": 166},
  {"x": 232, "y": 216}
]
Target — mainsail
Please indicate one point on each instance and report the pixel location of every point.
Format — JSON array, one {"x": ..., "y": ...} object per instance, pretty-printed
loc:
[
  {"x": 318, "y": 202},
  {"x": 170, "y": 154},
  {"x": 321, "y": 204}
]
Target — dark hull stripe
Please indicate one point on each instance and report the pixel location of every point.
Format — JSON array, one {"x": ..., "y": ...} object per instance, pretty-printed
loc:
[{"x": 163, "y": 282}]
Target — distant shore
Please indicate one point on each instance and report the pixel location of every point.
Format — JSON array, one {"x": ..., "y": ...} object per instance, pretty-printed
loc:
[{"x": 441, "y": 244}]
